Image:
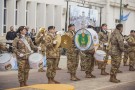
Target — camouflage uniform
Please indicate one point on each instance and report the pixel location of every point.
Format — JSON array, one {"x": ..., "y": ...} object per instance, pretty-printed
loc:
[
  {"x": 126, "y": 54},
  {"x": 89, "y": 61},
  {"x": 117, "y": 47},
  {"x": 131, "y": 42},
  {"x": 58, "y": 60},
  {"x": 82, "y": 63},
  {"x": 72, "y": 57},
  {"x": 103, "y": 38},
  {"x": 40, "y": 41},
  {"x": 52, "y": 55},
  {"x": 23, "y": 63}
]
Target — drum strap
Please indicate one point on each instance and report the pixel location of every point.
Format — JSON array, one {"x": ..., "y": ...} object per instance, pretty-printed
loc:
[{"x": 26, "y": 43}]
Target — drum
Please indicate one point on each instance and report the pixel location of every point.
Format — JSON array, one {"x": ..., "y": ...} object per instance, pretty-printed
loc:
[
  {"x": 35, "y": 60},
  {"x": 100, "y": 55},
  {"x": 83, "y": 40},
  {"x": 94, "y": 38},
  {"x": 5, "y": 63}
]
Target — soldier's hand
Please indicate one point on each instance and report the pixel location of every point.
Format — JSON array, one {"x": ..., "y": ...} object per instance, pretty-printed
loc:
[
  {"x": 41, "y": 35},
  {"x": 55, "y": 41},
  {"x": 39, "y": 48},
  {"x": 21, "y": 55}
]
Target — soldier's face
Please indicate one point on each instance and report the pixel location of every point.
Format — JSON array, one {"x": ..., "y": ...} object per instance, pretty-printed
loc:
[
  {"x": 104, "y": 27},
  {"x": 23, "y": 32}
]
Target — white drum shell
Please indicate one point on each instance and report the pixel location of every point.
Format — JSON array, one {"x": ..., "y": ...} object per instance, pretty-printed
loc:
[
  {"x": 35, "y": 59},
  {"x": 5, "y": 60},
  {"x": 99, "y": 55}
]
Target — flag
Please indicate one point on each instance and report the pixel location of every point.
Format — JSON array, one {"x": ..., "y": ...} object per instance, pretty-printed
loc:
[{"x": 124, "y": 17}]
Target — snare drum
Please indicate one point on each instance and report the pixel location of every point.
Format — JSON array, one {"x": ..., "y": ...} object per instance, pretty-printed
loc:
[
  {"x": 35, "y": 60},
  {"x": 100, "y": 55},
  {"x": 5, "y": 63}
]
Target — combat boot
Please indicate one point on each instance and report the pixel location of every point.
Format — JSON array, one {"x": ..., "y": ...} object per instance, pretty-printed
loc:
[
  {"x": 56, "y": 82},
  {"x": 103, "y": 72},
  {"x": 41, "y": 70},
  {"x": 73, "y": 78},
  {"x": 58, "y": 68},
  {"x": 125, "y": 64},
  {"x": 131, "y": 68},
  {"x": 22, "y": 84},
  {"x": 25, "y": 84},
  {"x": 118, "y": 71},
  {"x": 88, "y": 76},
  {"x": 82, "y": 68},
  {"x": 50, "y": 81},
  {"x": 116, "y": 78},
  {"x": 113, "y": 79}
]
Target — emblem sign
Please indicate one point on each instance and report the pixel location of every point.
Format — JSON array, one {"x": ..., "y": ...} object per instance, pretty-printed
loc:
[{"x": 83, "y": 39}]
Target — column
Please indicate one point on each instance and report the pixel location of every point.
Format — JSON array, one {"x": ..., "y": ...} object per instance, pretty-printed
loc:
[
  {"x": 58, "y": 18},
  {"x": 50, "y": 14},
  {"x": 31, "y": 10},
  {"x": 1, "y": 16},
  {"x": 21, "y": 12}
]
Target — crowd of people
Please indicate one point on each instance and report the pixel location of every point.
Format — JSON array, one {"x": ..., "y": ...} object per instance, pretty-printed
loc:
[{"x": 114, "y": 44}]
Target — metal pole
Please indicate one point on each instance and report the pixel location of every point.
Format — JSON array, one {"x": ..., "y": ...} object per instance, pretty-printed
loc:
[
  {"x": 120, "y": 10},
  {"x": 100, "y": 16},
  {"x": 66, "y": 17}
]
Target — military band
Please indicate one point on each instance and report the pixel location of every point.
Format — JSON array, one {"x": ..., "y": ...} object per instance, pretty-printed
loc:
[{"x": 113, "y": 44}]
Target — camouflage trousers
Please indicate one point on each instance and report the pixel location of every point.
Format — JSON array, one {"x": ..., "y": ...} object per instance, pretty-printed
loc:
[
  {"x": 125, "y": 59},
  {"x": 72, "y": 62},
  {"x": 82, "y": 63},
  {"x": 51, "y": 67},
  {"x": 116, "y": 60},
  {"x": 89, "y": 63},
  {"x": 57, "y": 62},
  {"x": 23, "y": 70},
  {"x": 132, "y": 59}
]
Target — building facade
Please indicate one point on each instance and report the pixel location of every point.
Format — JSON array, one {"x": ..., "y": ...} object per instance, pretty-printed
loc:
[{"x": 43, "y": 13}]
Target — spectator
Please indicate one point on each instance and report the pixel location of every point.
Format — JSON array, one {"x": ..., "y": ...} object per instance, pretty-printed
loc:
[
  {"x": 10, "y": 37},
  {"x": 33, "y": 35}
]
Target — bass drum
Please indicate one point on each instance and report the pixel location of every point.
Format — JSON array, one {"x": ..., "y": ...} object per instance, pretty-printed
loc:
[
  {"x": 83, "y": 40},
  {"x": 94, "y": 38}
]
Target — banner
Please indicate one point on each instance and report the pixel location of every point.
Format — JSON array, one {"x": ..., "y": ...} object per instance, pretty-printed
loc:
[{"x": 79, "y": 15}]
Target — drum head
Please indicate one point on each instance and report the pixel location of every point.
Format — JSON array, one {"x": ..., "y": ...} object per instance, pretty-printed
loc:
[
  {"x": 35, "y": 57},
  {"x": 5, "y": 57},
  {"x": 83, "y": 39}
]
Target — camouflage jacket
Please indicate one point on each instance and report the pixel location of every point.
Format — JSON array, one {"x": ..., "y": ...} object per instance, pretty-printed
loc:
[
  {"x": 117, "y": 43},
  {"x": 51, "y": 51},
  {"x": 20, "y": 48},
  {"x": 40, "y": 41},
  {"x": 73, "y": 48},
  {"x": 103, "y": 37},
  {"x": 131, "y": 43}
]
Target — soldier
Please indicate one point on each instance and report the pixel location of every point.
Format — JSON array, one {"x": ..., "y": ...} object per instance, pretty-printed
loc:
[
  {"x": 117, "y": 47},
  {"x": 52, "y": 55},
  {"x": 131, "y": 42},
  {"x": 58, "y": 60},
  {"x": 40, "y": 41},
  {"x": 126, "y": 54},
  {"x": 23, "y": 46},
  {"x": 103, "y": 40},
  {"x": 72, "y": 54}
]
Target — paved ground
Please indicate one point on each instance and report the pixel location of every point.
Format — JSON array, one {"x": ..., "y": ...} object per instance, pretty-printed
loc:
[{"x": 8, "y": 79}]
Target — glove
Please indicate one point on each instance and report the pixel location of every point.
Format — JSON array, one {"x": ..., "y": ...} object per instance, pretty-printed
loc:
[
  {"x": 55, "y": 41},
  {"x": 39, "y": 48},
  {"x": 106, "y": 44},
  {"x": 7, "y": 46},
  {"x": 21, "y": 55},
  {"x": 41, "y": 35}
]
